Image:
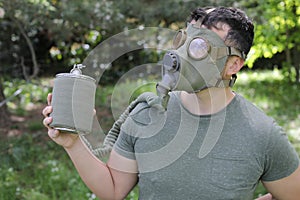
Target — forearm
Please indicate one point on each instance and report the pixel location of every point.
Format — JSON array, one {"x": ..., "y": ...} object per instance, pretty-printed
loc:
[{"x": 92, "y": 171}]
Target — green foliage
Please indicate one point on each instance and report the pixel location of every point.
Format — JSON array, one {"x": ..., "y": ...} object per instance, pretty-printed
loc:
[
  {"x": 62, "y": 33},
  {"x": 34, "y": 126},
  {"x": 277, "y": 28},
  {"x": 276, "y": 22},
  {"x": 167, "y": 13},
  {"x": 274, "y": 94},
  {"x": 32, "y": 167},
  {"x": 31, "y": 93}
]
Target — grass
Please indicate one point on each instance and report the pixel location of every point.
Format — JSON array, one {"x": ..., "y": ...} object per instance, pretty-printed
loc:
[{"x": 34, "y": 168}]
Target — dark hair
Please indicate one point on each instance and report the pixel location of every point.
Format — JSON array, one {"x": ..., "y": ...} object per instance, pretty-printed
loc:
[
  {"x": 241, "y": 31},
  {"x": 198, "y": 13}
]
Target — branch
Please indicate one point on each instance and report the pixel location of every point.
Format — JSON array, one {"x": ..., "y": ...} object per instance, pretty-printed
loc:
[
  {"x": 27, "y": 78},
  {"x": 33, "y": 55}
]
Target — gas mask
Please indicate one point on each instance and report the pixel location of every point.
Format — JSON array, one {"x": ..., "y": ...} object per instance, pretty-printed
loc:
[{"x": 195, "y": 63}]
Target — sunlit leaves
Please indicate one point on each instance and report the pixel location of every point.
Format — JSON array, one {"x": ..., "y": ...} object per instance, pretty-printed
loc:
[
  {"x": 93, "y": 36},
  {"x": 277, "y": 22}
]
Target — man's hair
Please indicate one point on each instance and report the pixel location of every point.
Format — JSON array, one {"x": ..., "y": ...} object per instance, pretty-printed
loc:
[
  {"x": 241, "y": 31},
  {"x": 198, "y": 13}
]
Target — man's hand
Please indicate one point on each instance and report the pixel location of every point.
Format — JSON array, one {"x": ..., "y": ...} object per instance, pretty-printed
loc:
[
  {"x": 266, "y": 197},
  {"x": 64, "y": 139}
]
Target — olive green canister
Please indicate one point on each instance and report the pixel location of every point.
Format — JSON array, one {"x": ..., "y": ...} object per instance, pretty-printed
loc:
[{"x": 73, "y": 101}]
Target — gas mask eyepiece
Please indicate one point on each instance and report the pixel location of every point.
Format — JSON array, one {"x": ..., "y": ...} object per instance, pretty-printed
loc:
[
  {"x": 179, "y": 39},
  {"x": 198, "y": 48}
]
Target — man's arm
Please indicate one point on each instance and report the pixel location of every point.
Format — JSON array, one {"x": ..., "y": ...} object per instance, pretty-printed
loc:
[
  {"x": 105, "y": 182},
  {"x": 287, "y": 188}
]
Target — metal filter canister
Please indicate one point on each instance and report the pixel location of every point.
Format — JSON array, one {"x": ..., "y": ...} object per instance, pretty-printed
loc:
[{"x": 73, "y": 102}]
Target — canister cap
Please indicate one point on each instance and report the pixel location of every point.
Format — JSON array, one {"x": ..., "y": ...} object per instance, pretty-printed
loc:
[
  {"x": 76, "y": 73},
  {"x": 77, "y": 69}
]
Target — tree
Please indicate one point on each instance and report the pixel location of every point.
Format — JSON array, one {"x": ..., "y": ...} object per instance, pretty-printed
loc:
[
  {"x": 4, "y": 114},
  {"x": 38, "y": 33},
  {"x": 167, "y": 13},
  {"x": 23, "y": 20},
  {"x": 277, "y": 30}
]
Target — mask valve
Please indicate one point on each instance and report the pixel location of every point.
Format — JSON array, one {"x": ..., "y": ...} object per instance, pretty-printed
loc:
[{"x": 171, "y": 62}]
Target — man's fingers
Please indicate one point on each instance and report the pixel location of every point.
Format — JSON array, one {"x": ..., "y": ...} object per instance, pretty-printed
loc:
[
  {"x": 47, "y": 121},
  {"x": 64, "y": 139},
  {"x": 49, "y": 99},
  {"x": 265, "y": 197},
  {"x": 47, "y": 110},
  {"x": 53, "y": 133}
]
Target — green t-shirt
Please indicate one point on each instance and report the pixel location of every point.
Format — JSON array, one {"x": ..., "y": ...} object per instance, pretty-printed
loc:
[{"x": 221, "y": 156}]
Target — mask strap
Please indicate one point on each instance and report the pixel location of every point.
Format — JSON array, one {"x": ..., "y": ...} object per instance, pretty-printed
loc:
[
  {"x": 228, "y": 51},
  {"x": 231, "y": 51},
  {"x": 198, "y": 23},
  {"x": 232, "y": 80},
  {"x": 222, "y": 83},
  {"x": 226, "y": 83}
]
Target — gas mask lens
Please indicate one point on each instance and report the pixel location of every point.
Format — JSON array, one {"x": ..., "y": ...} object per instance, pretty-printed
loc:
[
  {"x": 198, "y": 48},
  {"x": 179, "y": 39}
]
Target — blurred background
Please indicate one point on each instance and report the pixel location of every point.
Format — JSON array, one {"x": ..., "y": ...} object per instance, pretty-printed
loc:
[{"x": 40, "y": 38}]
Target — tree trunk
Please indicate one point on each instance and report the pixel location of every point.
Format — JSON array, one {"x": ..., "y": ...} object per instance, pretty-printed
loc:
[
  {"x": 295, "y": 59},
  {"x": 296, "y": 63},
  {"x": 32, "y": 52},
  {"x": 5, "y": 120}
]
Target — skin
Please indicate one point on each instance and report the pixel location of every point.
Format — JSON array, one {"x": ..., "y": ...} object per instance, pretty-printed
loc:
[{"x": 116, "y": 179}]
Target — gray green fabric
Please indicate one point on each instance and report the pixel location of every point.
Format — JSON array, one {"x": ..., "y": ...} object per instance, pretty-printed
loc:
[
  {"x": 251, "y": 147},
  {"x": 147, "y": 98},
  {"x": 72, "y": 110}
]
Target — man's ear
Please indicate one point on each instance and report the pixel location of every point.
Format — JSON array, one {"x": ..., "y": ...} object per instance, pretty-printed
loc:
[
  {"x": 236, "y": 65},
  {"x": 233, "y": 65}
]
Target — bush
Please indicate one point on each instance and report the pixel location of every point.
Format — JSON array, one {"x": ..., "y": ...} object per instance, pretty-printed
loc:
[{"x": 28, "y": 94}]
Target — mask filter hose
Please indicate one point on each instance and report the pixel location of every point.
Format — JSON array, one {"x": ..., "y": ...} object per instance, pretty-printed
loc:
[{"x": 162, "y": 92}]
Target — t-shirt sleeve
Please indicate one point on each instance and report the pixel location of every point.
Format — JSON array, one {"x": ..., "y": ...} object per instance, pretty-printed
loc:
[
  {"x": 281, "y": 157},
  {"x": 125, "y": 145},
  {"x": 130, "y": 130}
]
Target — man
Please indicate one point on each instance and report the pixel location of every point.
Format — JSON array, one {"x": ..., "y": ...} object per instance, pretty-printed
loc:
[{"x": 210, "y": 143}]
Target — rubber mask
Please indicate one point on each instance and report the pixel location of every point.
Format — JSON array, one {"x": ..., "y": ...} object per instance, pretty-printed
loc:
[{"x": 196, "y": 62}]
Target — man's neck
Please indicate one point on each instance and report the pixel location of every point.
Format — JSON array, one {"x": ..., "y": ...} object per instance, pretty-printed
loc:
[{"x": 208, "y": 101}]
